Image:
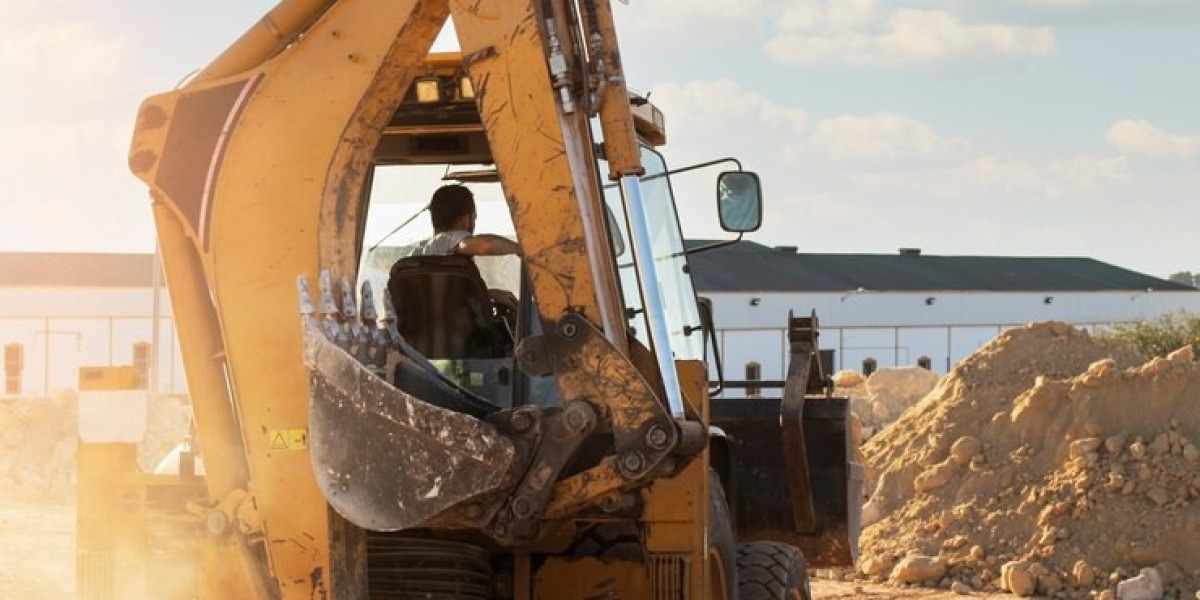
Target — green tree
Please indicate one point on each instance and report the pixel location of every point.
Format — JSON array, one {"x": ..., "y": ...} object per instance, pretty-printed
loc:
[{"x": 1163, "y": 336}]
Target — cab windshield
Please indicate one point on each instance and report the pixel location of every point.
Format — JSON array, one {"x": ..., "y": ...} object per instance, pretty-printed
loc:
[{"x": 675, "y": 282}]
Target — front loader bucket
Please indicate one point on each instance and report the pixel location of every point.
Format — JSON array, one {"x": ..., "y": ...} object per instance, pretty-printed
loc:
[
  {"x": 387, "y": 460},
  {"x": 807, "y": 494}
]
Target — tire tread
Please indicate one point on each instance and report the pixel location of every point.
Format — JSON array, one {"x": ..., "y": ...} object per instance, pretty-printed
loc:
[{"x": 770, "y": 571}]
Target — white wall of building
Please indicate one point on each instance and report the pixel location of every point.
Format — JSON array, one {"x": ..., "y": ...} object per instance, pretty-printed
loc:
[
  {"x": 897, "y": 328},
  {"x": 62, "y": 329}
]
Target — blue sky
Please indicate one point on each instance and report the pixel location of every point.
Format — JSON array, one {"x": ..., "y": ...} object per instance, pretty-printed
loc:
[{"x": 1022, "y": 127}]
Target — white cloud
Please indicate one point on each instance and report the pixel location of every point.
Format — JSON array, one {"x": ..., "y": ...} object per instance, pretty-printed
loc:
[
  {"x": 722, "y": 9},
  {"x": 700, "y": 22},
  {"x": 858, "y": 32},
  {"x": 811, "y": 15},
  {"x": 1143, "y": 6},
  {"x": 1016, "y": 179},
  {"x": 1130, "y": 136},
  {"x": 721, "y": 107},
  {"x": 1072, "y": 13},
  {"x": 722, "y": 110},
  {"x": 61, "y": 53},
  {"x": 883, "y": 136}
]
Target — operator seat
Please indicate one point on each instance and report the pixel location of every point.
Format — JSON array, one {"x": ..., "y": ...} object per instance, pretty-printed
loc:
[{"x": 443, "y": 309}]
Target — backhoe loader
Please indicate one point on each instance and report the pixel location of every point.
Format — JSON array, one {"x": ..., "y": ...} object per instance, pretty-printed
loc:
[{"x": 409, "y": 439}]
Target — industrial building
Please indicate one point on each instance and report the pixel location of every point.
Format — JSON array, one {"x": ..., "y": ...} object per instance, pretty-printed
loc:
[
  {"x": 897, "y": 309},
  {"x": 61, "y": 311},
  {"x": 66, "y": 310}
]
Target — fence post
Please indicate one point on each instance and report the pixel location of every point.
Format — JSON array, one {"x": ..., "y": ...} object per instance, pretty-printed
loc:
[
  {"x": 753, "y": 373},
  {"x": 14, "y": 364},
  {"x": 868, "y": 366}
]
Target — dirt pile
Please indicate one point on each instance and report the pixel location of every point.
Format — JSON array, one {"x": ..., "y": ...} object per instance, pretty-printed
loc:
[
  {"x": 37, "y": 449},
  {"x": 881, "y": 398},
  {"x": 38, "y": 441},
  {"x": 1048, "y": 462}
]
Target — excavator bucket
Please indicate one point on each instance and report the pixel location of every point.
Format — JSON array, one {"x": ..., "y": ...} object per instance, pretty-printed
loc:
[
  {"x": 815, "y": 507},
  {"x": 794, "y": 477},
  {"x": 385, "y": 459}
]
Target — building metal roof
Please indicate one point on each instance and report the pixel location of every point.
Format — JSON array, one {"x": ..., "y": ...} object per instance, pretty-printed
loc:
[
  {"x": 71, "y": 269},
  {"x": 747, "y": 266}
]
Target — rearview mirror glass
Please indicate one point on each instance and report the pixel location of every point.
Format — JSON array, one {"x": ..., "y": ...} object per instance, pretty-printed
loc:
[
  {"x": 614, "y": 232},
  {"x": 739, "y": 201}
]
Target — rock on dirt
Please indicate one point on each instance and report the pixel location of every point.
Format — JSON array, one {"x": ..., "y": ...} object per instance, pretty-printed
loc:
[
  {"x": 1146, "y": 586},
  {"x": 916, "y": 569}
]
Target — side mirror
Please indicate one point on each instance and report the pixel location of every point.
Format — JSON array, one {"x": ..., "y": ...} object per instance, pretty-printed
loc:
[{"x": 739, "y": 201}]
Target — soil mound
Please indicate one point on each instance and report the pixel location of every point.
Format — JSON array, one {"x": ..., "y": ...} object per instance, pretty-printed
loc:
[
  {"x": 39, "y": 439},
  {"x": 1048, "y": 462},
  {"x": 880, "y": 399},
  {"x": 37, "y": 449}
]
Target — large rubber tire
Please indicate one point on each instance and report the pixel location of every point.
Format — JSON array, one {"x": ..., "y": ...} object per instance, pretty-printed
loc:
[
  {"x": 721, "y": 538},
  {"x": 771, "y": 571}
]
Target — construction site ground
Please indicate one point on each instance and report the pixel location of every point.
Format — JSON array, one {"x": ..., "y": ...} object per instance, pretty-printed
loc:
[
  {"x": 1049, "y": 463},
  {"x": 37, "y": 560}
]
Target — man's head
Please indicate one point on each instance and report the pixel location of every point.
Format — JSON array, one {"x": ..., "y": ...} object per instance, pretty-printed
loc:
[{"x": 452, "y": 207}]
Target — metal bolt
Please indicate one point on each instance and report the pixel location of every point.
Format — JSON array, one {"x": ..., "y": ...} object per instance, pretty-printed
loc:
[
  {"x": 521, "y": 421},
  {"x": 658, "y": 437},
  {"x": 569, "y": 330},
  {"x": 579, "y": 417},
  {"x": 632, "y": 463},
  {"x": 521, "y": 507}
]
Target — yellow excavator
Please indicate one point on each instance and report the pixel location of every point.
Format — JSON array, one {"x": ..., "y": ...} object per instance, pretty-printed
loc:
[{"x": 411, "y": 439}]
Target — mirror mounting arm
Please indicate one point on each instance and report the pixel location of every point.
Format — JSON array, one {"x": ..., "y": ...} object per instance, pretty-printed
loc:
[{"x": 714, "y": 245}]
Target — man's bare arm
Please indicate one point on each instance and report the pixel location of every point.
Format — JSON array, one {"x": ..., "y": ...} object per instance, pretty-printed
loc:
[{"x": 486, "y": 244}]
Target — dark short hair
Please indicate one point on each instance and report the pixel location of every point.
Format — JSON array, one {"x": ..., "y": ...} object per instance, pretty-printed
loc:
[{"x": 449, "y": 203}]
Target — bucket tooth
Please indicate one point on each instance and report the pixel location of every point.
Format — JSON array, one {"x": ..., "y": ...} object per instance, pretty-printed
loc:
[
  {"x": 389, "y": 323},
  {"x": 359, "y": 339},
  {"x": 330, "y": 315},
  {"x": 370, "y": 320}
]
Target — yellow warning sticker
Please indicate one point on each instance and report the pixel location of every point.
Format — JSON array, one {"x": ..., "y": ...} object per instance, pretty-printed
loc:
[{"x": 289, "y": 439}]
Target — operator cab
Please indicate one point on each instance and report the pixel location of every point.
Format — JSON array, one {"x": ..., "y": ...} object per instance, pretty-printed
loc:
[{"x": 436, "y": 137}]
